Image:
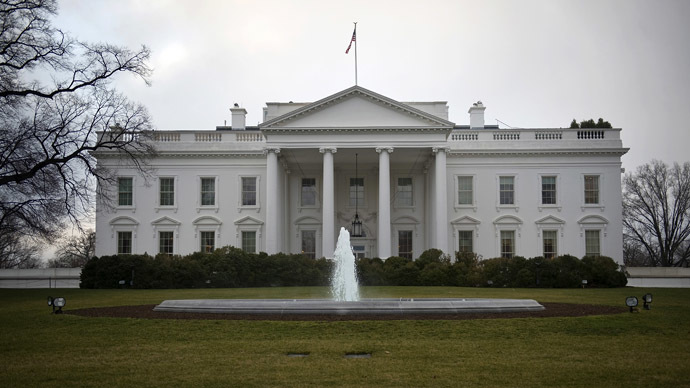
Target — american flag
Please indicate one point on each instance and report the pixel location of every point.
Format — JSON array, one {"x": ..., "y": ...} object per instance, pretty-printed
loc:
[{"x": 354, "y": 39}]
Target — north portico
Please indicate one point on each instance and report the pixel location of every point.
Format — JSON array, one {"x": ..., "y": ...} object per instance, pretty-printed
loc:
[
  {"x": 387, "y": 136},
  {"x": 414, "y": 179}
]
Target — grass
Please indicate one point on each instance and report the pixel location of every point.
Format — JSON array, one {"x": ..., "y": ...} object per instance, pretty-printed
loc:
[{"x": 647, "y": 349}]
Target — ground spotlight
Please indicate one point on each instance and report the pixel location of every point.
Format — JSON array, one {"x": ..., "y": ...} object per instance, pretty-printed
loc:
[
  {"x": 631, "y": 302},
  {"x": 58, "y": 302},
  {"x": 647, "y": 300}
]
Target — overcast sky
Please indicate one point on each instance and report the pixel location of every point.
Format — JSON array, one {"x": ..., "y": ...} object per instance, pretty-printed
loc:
[{"x": 532, "y": 63}]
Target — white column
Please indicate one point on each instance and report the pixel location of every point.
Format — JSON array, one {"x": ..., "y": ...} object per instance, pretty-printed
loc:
[
  {"x": 384, "y": 211},
  {"x": 440, "y": 197},
  {"x": 273, "y": 207},
  {"x": 328, "y": 203}
]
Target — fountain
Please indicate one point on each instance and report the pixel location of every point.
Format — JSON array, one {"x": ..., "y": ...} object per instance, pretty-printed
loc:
[
  {"x": 344, "y": 286},
  {"x": 346, "y": 301}
]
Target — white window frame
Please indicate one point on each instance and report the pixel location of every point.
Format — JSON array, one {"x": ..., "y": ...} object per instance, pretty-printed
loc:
[
  {"x": 133, "y": 206},
  {"x": 175, "y": 190},
  {"x": 507, "y": 223},
  {"x": 457, "y": 239},
  {"x": 166, "y": 224},
  {"x": 117, "y": 242},
  {"x": 301, "y": 239},
  {"x": 215, "y": 198},
  {"x": 257, "y": 206},
  {"x": 158, "y": 240},
  {"x": 593, "y": 222},
  {"x": 396, "y": 204},
  {"x": 456, "y": 202},
  {"x": 249, "y": 224},
  {"x": 215, "y": 239},
  {"x": 206, "y": 224},
  {"x": 317, "y": 202},
  {"x": 500, "y": 242},
  {"x": 397, "y": 240},
  {"x": 601, "y": 240},
  {"x": 557, "y": 206},
  {"x": 124, "y": 224},
  {"x": 465, "y": 223},
  {"x": 515, "y": 205},
  {"x": 589, "y": 206},
  {"x": 556, "y": 231},
  {"x": 360, "y": 204},
  {"x": 307, "y": 223}
]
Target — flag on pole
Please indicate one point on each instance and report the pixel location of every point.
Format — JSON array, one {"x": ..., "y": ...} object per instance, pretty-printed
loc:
[{"x": 354, "y": 39}]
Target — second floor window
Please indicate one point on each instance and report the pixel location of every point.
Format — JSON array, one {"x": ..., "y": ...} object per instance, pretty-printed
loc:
[
  {"x": 308, "y": 197},
  {"x": 167, "y": 191},
  {"x": 208, "y": 191},
  {"x": 591, "y": 189},
  {"x": 548, "y": 190},
  {"x": 465, "y": 196},
  {"x": 356, "y": 192},
  {"x": 404, "y": 193},
  {"x": 506, "y": 190},
  {"x": 248, "y": 191},
  {"x": 125, "y": 193}
]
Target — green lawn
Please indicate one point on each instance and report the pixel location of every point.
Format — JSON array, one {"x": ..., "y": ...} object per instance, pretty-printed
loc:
[{"x": 646, "y": 349}]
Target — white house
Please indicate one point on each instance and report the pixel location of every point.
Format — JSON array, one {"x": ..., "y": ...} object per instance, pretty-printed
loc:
[{"x": 414, "y": 179}]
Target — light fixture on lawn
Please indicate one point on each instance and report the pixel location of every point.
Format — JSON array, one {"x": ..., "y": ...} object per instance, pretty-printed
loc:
[
  {"x": 631, "y": 302},
  {"x": 356, "y": 223},
  {"x": 584, "y": 283},
  {"x": 58, "y": 302},
  {"x": 647, "y": 300}
]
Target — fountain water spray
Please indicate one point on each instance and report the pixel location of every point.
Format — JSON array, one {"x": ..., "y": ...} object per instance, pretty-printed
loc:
[{"x": 344, "y": 286}]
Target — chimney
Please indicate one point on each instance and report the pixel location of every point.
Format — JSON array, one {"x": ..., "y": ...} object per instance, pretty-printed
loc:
[
  {"x": 477, "y": 115},
  {"x": 239, "y": 118}
]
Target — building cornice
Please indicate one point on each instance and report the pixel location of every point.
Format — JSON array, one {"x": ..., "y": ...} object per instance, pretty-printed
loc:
[{"x": 195, "y": 154}]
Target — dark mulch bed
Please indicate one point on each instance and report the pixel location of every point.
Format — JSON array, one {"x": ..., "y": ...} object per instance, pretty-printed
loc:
[{"x": 146, "y": 312}]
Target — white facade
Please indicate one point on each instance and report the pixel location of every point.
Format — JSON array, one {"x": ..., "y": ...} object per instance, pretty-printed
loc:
[{"x": 420, "y": 182}]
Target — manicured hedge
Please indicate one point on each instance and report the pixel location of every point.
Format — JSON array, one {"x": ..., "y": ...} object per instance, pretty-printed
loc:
[
  {"x": 232, "y": 267},
  {"x": 467, "y": 270},
  {"x": 225, "y": 267}
]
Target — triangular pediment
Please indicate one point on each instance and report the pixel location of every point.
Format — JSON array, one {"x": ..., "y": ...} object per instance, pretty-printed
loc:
[
  {"x": 248, "y": 220},
  {"x": 356, "y": 107},
  {"x": 165, "y": 221},
  {"x": 549, "y": 220},
  {"x": 465, "y": 220}
]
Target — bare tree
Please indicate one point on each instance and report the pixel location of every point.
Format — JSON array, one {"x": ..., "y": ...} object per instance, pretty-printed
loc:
[
  {"x": 18, "y": 251},
  {"x": 656, "y": 212},
  {"x": 48, "y": 129},
  {"x": 74, "y": 251}
]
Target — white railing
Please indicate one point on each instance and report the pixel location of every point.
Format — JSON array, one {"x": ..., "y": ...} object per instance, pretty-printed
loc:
[
  {"x": 208, "y": 137},
  {"x": 546, "y": 134},
  {"x": 249, "y": 136},
  {"x": 166, "y": 136},
  {"x": 507, "y": 135}
]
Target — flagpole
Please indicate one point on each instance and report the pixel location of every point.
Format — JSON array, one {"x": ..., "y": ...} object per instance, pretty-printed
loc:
[{"x": 355, "y": 53}]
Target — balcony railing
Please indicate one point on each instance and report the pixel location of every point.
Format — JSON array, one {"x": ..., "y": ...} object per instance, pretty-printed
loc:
[{"x": 548, "y": 134}]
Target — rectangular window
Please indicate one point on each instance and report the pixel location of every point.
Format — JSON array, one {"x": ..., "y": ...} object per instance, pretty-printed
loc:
[
  {"x": 208, "y": 191},
  {"x": 465, "y": 238},
  {"x": 309, "y": 243},
  {"x": 403, "y": 196},
  {"x": 465, "y": 191},
  {"x": 124, "y": 243},
  {"x": 125, "y": 194},
  {"x": 405, "y": 244},
  {"x": 308, "y": 197},
  {"x": 507, "y": 190},
  {"x": 208, "y": 241},
  {"x": 592, "y": 189},
  {"x": 548, "y": 190},
  {"x": 167, "y": 191},
  {"x": 248, "y": 191},
  {"x": 249, "y": 241},
  {"x": 356, "y": 192},
  {"x": 592, "y": 243},
  {"x": 550, "y": 239},
  {"x": 507, "y": 244},
  {"x": 165, "y": 242}
]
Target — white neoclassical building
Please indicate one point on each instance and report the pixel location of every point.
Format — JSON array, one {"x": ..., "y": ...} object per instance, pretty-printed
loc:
[{"x": 412, "y": 178}]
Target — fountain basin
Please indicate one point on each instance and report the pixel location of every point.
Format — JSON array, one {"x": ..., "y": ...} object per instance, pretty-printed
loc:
[{"x": 383, "y": 306}]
